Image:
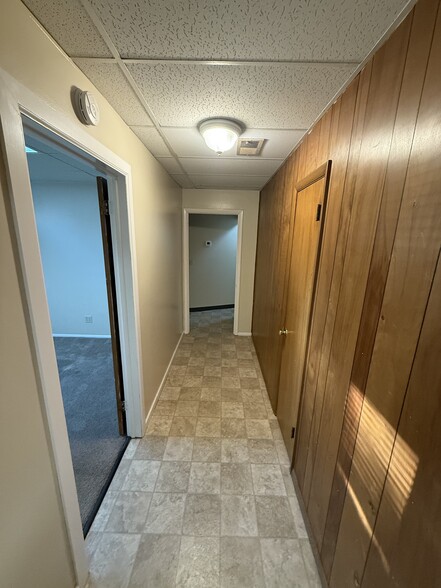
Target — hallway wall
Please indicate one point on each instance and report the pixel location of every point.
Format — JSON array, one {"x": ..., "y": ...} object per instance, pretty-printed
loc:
[
  {"x": 69, "y": 235},
  {"x": 34, "y": 529},
  {"x": 248, "y": 201},
  {"x": 31, "y": 56},
  {"x": 212, "y": 268},
  {"x": 367, "y": 444}
]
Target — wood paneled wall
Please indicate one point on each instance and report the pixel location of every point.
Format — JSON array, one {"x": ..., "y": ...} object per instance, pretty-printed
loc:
[{"x": 369, "y": 440}]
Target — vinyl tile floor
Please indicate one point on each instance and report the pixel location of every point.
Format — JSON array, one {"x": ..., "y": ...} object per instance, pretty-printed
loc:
[{"x": 205, "y": 499}]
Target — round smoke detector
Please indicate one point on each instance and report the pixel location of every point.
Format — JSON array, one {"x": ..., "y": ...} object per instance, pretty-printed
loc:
[{"x": 87, "y": 108}]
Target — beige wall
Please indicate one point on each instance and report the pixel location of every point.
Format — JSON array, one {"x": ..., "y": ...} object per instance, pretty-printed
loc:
[
  {"x": 30, "y": 56},
  {"x": 248, "y": 201},
  {"x": 213, "y": 268},
  {"x": 32, "y": 533}
]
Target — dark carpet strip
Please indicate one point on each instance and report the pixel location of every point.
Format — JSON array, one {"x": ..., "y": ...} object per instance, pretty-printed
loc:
[
  {"x": 202, "y": 308},
  {"x": 85, "y": 366}
]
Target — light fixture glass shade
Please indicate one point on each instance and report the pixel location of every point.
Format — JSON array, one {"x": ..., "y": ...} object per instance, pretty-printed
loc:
[{"x": 220, "y": 134}]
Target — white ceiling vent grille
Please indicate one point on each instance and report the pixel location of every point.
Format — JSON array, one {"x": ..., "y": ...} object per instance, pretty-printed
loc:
[{"x": 249, "y": 146}]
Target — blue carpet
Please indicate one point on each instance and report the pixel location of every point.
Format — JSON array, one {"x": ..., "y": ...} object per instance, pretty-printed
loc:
[{"x": 85, "y": 366}]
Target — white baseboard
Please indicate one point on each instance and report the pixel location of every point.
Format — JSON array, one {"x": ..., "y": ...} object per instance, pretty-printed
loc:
[
  {"x": 161, "y": 385},
  {"x": 81, "y": 336},
  {"x": 244, "y": 334}
]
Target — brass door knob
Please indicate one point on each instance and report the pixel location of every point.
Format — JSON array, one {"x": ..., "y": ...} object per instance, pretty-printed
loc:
[{"x": 283, "y": 332}]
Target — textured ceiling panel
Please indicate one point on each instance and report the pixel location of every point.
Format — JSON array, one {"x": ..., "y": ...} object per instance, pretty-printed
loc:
[
  {"x": 233, "y": 166},
  {"x": 276, "y": 96},
  {"x": 247, "y": 29},
  {"x": 284, "y": 98},
  {"x": 152, "y": 140},
  {"x": 111, "y": 82},
  {"x": 183, "y": 180},
  {"x": 70, "y": 25},
  {"x": 170, "y": 164},
  {"x": 226, "y": 182},
  {"x": 188, "y": 142}
]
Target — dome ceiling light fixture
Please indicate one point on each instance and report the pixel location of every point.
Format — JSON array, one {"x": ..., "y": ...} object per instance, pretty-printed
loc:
[{"x": 220, "y": 134}]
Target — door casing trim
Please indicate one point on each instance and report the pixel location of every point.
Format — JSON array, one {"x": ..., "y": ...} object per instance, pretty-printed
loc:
[
  {"x": 186, "y": 261},
  {"x": 16, "y": 101}
]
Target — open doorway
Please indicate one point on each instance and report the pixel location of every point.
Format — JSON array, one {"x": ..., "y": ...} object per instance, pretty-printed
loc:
[
  {"x": 70, "y": 199},
  {"x": 21, "y": 110},
  {"x": 212, "y": 269},
  {"x": 212, "y": 255}
]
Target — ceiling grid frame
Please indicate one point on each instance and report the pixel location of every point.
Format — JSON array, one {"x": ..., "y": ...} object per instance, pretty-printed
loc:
[
  {"x": 117, "y": 59},
  {"x": 146, "y": 40}
]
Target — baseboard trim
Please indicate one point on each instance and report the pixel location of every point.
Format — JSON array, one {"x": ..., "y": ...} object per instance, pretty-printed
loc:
[
  {"x": 219, "y": 307},
  {"x": 161, "y": 385},
  {"x": 81, "y": 336},
  {"x": 243, "y": 334}
]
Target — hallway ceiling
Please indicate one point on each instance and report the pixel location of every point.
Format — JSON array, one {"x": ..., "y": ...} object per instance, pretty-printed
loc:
[{"x": 165, "y": 65}]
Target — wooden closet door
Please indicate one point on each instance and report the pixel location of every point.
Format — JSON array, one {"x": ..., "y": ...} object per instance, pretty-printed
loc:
[{"x": 311, "y": 195}]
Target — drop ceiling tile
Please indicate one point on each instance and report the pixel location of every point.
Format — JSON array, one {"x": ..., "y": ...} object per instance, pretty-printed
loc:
[
  {"x": 170, "y": 164},
  {"x": 231, "y": 182},
  {"x": 183, "y": 180},
  {"x": 111, "y": 82},
  {"x": 152, "y": 140},
  {"x": 69, "y": 24},
  {"x": 240, "y": 29},
  {"x": 188, "y": 142},
  {"x": 240, "y": 166},
  {"x": 285, "y": 96}
]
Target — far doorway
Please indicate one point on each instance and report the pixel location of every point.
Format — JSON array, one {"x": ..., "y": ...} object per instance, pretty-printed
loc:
[{"x": 211, "y": 270}]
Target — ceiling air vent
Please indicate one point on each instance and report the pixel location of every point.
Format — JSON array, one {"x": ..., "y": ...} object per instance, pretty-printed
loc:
[{"x": 249, "y": 146}]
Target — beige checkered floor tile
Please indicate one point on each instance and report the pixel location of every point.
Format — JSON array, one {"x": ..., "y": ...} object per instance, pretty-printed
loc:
[{"x": 205, "y": 498}]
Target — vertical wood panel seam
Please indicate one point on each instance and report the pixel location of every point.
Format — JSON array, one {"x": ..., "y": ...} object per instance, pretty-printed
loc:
[
  {"x": 402, "y": 407},
  {"x": 395, "y": 233},
  {"x": 428, "y": 298},
  {"x": 375, "y": 224},
  {"x": 370, "y": 265}
]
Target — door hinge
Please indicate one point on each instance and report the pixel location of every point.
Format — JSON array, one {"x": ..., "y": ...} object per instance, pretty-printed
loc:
[
  {"x": 123, "y": 406},
  {"x": 105, "y": 208},
  {"x": 319, "y": 212},
  {"x": 293, "y": 432}
]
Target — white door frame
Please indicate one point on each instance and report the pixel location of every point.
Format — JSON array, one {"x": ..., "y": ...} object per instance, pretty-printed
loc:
[
  {"x": 17, "y": 100},
  {"x": 186, "y": 261}
]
